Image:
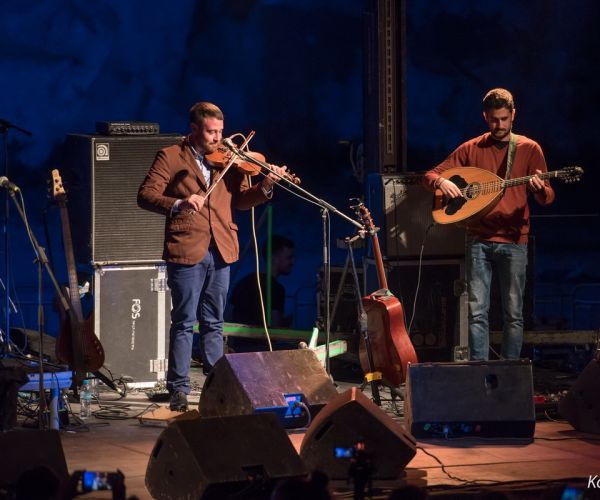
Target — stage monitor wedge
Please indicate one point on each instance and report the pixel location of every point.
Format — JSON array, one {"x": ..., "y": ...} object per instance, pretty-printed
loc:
[
  {"x": 282, "y": 382},
  {"x": 216, "y": 458},
  {"x": 581, "y": 405},
  {"x": 351, "y": 428},
  {"x": 33, "y": 460},
  {"x": 491, "y": 399}
]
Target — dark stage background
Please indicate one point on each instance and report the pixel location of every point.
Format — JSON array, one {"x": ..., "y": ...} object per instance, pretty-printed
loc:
[{"x": 293, "y": 72}]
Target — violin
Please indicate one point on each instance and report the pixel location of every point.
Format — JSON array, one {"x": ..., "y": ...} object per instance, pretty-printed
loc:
[{"x": 223, "y": 158}]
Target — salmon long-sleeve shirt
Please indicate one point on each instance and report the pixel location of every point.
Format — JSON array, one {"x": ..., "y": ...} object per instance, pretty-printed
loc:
[{"x": 508, "y": 221}]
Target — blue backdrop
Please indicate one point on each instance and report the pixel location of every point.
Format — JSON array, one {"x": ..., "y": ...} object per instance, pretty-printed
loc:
[{"x": 292, "y": 70}]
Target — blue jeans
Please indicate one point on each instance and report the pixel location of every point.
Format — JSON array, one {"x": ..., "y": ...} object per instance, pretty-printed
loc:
[
  {"x": 199, "y": 293},
  {"x": 510, "y": 261}
]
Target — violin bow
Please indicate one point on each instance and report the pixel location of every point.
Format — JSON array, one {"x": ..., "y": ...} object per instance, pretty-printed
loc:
[{"x": 230, "y": 163}]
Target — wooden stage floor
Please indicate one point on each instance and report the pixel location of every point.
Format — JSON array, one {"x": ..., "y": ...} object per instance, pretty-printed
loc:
[{"x": 459, "y": 467}]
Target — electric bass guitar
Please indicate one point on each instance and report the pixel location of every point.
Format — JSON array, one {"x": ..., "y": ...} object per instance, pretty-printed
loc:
[
  {"x": 76, "y": 344},
  {"x": 482, "y": 190},
  {"x": 390, "y": 344}
]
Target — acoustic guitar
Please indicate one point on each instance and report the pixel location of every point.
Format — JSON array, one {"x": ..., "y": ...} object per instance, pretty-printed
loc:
[
  {"x": 391, "y": 347},
  {"x": 482, "y": 190},
  {"x": 76, "y": 344}
]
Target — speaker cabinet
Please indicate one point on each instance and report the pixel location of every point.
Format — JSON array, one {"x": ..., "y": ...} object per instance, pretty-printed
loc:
[
  {"x": 345, "y": 319},
  {"x": 36, "y": 456},
  {"x": 351, "y": 427},
  {"x": 282, "y": 382},
  {"x": 11, "y": 378},
  {"x": 102, "y": 180},
  {"x": 401, "y": 206},
  {"x": 440, "y": 315},
  {"x": 215, "y": 458},
  {"x": 581, "y": 405},
  {"x": 474, "y": 398}
]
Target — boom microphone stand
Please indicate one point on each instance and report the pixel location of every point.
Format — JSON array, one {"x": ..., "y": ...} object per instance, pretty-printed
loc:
[
  {"x": 41, "y": 260},
  {"x": 326, "y": 208}
]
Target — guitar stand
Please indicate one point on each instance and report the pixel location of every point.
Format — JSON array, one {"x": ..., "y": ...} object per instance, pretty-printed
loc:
[
  {"x": 378, "y": 379},
  {"x": 108, "y": 382},
  {"x": 373, "y": 378}
]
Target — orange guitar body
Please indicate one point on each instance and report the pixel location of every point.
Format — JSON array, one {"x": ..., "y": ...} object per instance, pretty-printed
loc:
[{"x": 391, "y": 347}]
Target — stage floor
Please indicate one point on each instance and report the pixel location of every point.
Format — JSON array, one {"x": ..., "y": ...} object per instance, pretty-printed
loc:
[{"x": 557, "y": 454}]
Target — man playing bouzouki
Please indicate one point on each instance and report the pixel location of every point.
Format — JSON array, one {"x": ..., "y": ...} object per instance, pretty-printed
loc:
[{"x": 499, "y": 237}]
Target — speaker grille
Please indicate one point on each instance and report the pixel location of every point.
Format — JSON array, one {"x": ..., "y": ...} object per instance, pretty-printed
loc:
[
  {"x": 435, "y": 322},
  {"x": 402, "y": 207},
  {"x": 103, "y": 176}
]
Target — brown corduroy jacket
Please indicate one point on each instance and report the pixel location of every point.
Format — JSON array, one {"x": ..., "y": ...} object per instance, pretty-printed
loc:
[{"x": 175, "y": 175}]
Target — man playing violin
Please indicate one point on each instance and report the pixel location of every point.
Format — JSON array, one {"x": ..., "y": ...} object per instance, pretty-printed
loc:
[{"x": 200, "y": 239}]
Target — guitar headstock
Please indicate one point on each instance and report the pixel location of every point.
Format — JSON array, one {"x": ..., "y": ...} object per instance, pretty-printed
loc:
[
  {"x": 58, "y": 190},
  {"x": 363, "y": 215},
  {"x": 570, "y": 174}
]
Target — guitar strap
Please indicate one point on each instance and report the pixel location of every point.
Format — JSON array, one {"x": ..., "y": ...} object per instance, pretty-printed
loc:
[{"x": 512, "y": 147}]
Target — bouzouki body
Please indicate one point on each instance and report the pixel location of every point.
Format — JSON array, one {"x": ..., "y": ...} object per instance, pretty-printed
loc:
[{"x": 482, "y": 190}]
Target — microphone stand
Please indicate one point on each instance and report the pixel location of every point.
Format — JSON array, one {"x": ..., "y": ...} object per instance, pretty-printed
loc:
[
  {"x": 326, "y": 208},
  {"x": 41, "y": 260},
  {"x": 4, "y": 126}
]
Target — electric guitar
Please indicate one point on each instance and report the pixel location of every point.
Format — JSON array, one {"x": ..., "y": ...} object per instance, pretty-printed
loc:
[
  {"x": 76, "y": 344},
  {"x": 482, "y": 190}
]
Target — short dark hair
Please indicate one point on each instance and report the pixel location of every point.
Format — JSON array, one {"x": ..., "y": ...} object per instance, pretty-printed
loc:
[
  {"x": 202, "y": 110},
  {"x": 278, "y": 243},
  {"x": 498, "y": 99}
]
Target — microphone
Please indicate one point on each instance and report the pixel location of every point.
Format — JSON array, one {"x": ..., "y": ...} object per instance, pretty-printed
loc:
[
  {"x": 229, "y": 144},
  {"x": 5, "y": 183}
]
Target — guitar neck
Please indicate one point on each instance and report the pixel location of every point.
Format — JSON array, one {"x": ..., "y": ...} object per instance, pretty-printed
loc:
[
  {"x": 523, "y": 180},
  {"x": 379, "y": 262},
  {"x": 75, "y": 302},
  {"x": 498, "y": 185}
]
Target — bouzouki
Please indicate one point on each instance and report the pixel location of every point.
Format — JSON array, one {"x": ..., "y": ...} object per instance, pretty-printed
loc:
[
  {"x": 76, "y": 344},
  {"x": 390, "y": 344},
  {"x": 482, "y": 190}
]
